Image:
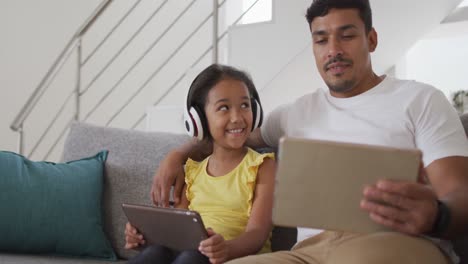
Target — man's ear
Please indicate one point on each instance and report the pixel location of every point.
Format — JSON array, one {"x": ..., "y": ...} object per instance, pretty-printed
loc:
[{"x": 372, "y": 40}]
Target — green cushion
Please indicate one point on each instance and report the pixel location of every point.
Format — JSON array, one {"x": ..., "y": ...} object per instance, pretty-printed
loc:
[{"x": 52, "y": 208}]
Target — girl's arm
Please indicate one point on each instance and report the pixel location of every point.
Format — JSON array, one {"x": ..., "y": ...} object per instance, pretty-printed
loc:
[
  {"x": 260, "y": 225},
  {"x": 171, "y": 171},
  {"x": 258, "y": 228}
]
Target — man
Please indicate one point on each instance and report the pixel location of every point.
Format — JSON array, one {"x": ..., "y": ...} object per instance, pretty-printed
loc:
[{"x": 361, "y": 107}]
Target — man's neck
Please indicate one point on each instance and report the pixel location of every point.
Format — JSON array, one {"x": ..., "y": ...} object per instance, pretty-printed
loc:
[{"x": 361, "y": 87}]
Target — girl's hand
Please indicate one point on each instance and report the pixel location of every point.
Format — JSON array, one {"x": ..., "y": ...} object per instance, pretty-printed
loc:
[
  {"x": 133, "y": 239},
  {"x": 214, "y": 247}
]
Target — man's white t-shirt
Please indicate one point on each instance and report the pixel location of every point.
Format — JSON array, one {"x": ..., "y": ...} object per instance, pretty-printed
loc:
[{"x": 396, "y": 113}]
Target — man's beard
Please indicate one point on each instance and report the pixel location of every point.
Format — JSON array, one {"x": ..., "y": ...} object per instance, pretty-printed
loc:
[{"x": 341, "y": 86}]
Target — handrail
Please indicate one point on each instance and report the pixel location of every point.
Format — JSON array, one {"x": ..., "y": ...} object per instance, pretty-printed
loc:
[
  {"x": 212, "y": 47},
  {"x": 40, "y": 89},
  {"x": 125, "y": 45},
  {"x": 169, "y": 58},
  {"x": 74, "y": 45},
  {"x": 121, "y": 20},
  {"x": 91, "y": 19},
  {"x": 79, "y": 59},
  {"x": 218, "y": 39},
  {"x": 62, "y": 133},
  {"x": 49, "y": 126},
  {"x": 136, "y": 62},
  {"x": 215, "y": 15},
  {"x": 280, "y": 71}
]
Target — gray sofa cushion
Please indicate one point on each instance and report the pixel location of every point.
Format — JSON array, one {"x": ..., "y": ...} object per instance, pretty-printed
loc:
[
  {"x": 132, "y": 161},
  {"x": 464, "y": 120},
  {"x": 39, "y": 259},
  {"x": 461, "y": 245},
  {"x": 130, "y": 166}
]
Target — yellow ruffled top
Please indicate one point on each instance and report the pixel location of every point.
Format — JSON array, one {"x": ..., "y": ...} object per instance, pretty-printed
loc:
[{"x": 225, "y": 202}]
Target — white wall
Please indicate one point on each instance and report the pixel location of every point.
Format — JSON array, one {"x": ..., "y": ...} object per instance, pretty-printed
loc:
[
  {"x": 33, "y": 34},
  {"x": 439, "y": 59},
  {"x": 278, "y": 56},
  {"x": 148, "y": 80},
  {"x": 264, "y": 49},
  {"x": 37, "y": 31},
  {"x": 300, "y": 77}
]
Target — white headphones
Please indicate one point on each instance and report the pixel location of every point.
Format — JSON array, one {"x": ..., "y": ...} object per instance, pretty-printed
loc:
[
  {"x": 195, "y": 120},
  {"x": 193, "y": 123}
]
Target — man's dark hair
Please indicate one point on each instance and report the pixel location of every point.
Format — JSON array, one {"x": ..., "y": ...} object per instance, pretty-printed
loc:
[{"x": 322, "y": 7}]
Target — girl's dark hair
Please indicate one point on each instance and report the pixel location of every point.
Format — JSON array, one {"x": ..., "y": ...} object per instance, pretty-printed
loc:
[
  {"x": 207, "y": 79},
  {"x": 322, "y": 7}
]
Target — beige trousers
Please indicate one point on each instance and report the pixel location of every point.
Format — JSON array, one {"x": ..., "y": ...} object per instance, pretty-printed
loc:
[{"x": 347, "y": 248}]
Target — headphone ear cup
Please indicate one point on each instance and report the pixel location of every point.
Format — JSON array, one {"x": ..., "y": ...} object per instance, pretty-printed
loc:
[
  {"x": 257, "y": 114},
  {"x": 193, "y": 123},
  {"x": 188, "y": 123}
]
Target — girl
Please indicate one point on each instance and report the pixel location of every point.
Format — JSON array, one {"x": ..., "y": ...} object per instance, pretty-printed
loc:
[{"x": 232, "y": 189}]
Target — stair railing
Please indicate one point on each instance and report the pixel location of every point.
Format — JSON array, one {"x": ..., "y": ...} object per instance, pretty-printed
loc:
[
  {"x": 75, "y": 45},
  {"x": 44, "y": 84}
]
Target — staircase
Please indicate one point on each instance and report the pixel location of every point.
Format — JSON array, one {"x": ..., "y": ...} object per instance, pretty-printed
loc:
[
  {"x": 131, "y": 55},
  {"x": 127, "y": 56}
]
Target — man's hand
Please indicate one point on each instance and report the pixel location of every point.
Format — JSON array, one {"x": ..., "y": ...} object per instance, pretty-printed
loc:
[
  {"x": 133, "y": 239},
  {"x": 214, "y": 247},
  {"x": 406, "y": 207},
  {"x": 171, "y": 171}
]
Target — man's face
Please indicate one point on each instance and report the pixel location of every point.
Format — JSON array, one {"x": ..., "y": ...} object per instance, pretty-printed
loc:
[{"x": 342, "y": 51}]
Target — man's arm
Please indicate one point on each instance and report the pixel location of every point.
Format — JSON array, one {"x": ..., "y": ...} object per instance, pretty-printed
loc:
[
  {"x": 415, "y": 208},
  {"x": 171, "y": 171},
  {"x": 412, "y": 207},
  {"x": 255, "y": 140},
  {"x": 449, "y": 178}
]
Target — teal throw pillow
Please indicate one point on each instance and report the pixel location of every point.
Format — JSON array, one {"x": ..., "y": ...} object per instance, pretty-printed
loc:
[{"x": 53, "y": 208}]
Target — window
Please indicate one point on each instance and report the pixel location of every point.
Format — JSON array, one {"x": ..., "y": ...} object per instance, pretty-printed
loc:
[
  {"x": 260, "y": 11},
  {"x": 463, "y": 3}
]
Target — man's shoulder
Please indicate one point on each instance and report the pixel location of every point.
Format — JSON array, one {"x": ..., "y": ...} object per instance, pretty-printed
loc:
[
  {"x": 303, "y": 101},
  {"x": 411, "y": 85},
  {"x": 318, "y": 94}
]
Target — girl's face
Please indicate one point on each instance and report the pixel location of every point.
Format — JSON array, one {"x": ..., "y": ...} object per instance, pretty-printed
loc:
[{"x": 229, "y": 113}]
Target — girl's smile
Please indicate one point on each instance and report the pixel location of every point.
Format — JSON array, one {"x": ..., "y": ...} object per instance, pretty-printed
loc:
[{"x": 229, "y": 114}]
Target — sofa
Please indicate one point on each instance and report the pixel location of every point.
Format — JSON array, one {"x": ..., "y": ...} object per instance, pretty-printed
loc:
[{"x": 133, "y": 157}]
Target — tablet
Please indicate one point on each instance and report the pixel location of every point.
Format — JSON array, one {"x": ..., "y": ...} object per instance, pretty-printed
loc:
[
  {"x": 319, "y": 184},
  {"x": 178, "y": 229}
]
